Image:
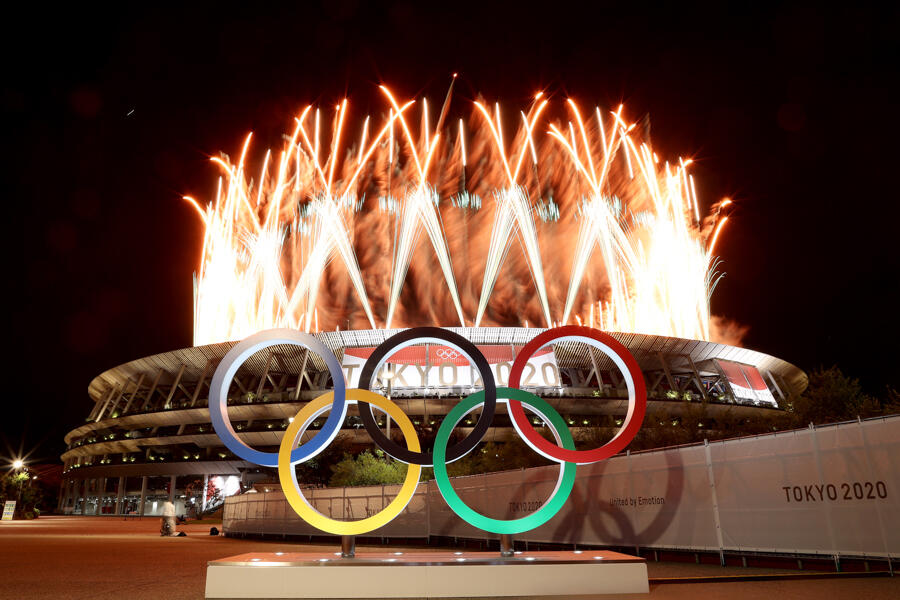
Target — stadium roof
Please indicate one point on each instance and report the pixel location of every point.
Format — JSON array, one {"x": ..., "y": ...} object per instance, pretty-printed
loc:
[{"x": 647, "y": 350}]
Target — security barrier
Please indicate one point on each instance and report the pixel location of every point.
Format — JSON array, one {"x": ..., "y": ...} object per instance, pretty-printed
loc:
[{"x": 829, "y": 490}]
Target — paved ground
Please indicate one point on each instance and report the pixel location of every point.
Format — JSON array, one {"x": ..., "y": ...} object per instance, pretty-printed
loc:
[{"x": 99, "y": 558}]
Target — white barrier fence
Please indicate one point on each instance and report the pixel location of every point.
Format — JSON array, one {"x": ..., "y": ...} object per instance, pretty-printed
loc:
[{"x": 832, "y": 490}]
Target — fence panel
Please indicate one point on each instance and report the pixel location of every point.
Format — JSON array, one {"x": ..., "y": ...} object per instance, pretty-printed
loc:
[{"x": 829, "y": 490}]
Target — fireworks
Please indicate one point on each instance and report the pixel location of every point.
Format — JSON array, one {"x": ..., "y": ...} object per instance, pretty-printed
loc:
[{"x": 584, "y": 225}]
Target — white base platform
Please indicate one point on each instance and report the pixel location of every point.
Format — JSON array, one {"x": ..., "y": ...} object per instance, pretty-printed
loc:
[{"x": 425, "y": 575}]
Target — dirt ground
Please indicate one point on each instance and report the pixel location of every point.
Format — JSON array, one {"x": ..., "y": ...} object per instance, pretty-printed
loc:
[{"x": 106, "y": 557}]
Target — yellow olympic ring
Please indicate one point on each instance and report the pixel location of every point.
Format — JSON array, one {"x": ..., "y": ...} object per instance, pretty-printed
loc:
[{"x": 292, "y": 491}]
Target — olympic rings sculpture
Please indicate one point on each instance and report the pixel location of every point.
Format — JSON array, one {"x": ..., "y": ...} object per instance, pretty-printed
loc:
[{"x": 335, "y": 402}]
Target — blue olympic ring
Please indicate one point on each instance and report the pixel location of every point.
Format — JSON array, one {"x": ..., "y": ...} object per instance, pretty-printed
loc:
[{"x": 221, "y": 381}]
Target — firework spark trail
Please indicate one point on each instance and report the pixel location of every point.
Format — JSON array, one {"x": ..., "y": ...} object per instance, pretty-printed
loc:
[
  {"x": 239, "y": 262},
  {"x": 267, "y": 246},
  {"x": 601, "y": 224},
  {"x": 242, "y": 251},
  {"x": 656, "y": 263},
  {"x": 513, "y": 217},
  {"x": 331, "y": 234},
  {"x": 420, "y": 208}
]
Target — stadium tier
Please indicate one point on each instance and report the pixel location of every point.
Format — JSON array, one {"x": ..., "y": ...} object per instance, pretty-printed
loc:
[{"x": 148, "y": 437}]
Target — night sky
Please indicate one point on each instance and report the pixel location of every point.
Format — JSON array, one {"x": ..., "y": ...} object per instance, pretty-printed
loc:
[{"x": 109, "y": 118}]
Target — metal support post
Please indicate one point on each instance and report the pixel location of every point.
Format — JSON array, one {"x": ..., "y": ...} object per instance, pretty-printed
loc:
[
  {"x": 143, "y": 495},
  {"x": 118, "y": 399},
  {"x": 506, "y": 545},
  {"x": 101, "y": 489},
  {"x": 200, "y": 381},
  {"x": 148, "y": 401},
  {"x": 120, "y": 496},
  {"x": 301, "y": 376},
  {"x": 97, "y": 413},
  {"x": 173, "y": 389},
  {"x": 631, "y": 516},
  {"x": 203, "y": 494},
  {"x": 698, "y": 379},
  {"x": 172, "y": 480},
  {"x": 131, "y": 398},
  {"x": 262, "y": 380},
  {"x": 826, "y": 508},
  {"x": 715, "y": 502},
  {"x": 777, "y": 387},
  {"x": 596, "y": 369},
  {"x": 85, "y": 496},
  {"x": 885, "y": 531},
  {"x": 348, "y": 546},
  {"x": 662, "y": 359}
]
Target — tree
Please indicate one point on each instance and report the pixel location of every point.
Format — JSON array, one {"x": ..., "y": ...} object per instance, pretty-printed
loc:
[
  {"x": 18, "y": 486},
  {"x": 194, "y": 490},
  {"x": 833, "y": 396},
  {"x": 367, "y": 469},
  {"x": 318, "y": 470},
  {"x": 891, "y": 403},
  {"x": 492, "y": 457}
]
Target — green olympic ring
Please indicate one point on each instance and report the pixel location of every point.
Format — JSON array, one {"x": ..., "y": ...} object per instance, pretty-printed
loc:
[{"x": 563, "y": 485}]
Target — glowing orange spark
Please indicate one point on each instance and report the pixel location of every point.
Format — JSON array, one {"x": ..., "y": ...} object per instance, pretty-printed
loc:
[{"x": 269, "y": 239}]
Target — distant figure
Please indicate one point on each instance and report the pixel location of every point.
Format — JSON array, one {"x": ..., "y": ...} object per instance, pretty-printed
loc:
[{"x": 167, "y": 526}]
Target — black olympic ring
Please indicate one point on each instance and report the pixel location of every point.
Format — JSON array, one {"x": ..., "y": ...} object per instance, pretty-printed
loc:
[{"x": 407, "y": 338}]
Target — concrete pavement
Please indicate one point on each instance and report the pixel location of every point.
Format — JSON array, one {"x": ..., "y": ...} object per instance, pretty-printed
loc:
[{"x": 108, "y": 558}]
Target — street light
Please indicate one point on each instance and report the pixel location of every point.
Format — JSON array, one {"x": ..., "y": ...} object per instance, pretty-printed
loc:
[{"x": 17, "y": 465}]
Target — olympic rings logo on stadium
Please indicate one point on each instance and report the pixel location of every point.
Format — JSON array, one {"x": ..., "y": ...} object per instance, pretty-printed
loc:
[
  {"x": 446, "y": 354},
  {"x": 335, "y": 402}
]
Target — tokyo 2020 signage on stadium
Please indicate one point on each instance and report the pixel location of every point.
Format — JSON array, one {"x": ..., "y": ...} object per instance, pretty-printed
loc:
[{"x": 335, "y": 402}]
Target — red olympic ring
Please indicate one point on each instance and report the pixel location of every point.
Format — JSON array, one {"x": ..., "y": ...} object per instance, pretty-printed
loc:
[{"x": 637, "y": 395}]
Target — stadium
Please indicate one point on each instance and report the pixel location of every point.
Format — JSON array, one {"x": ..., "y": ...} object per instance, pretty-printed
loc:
[
  {"x": 397, "y": 229},
  {"x": 147, "y": 437}
]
